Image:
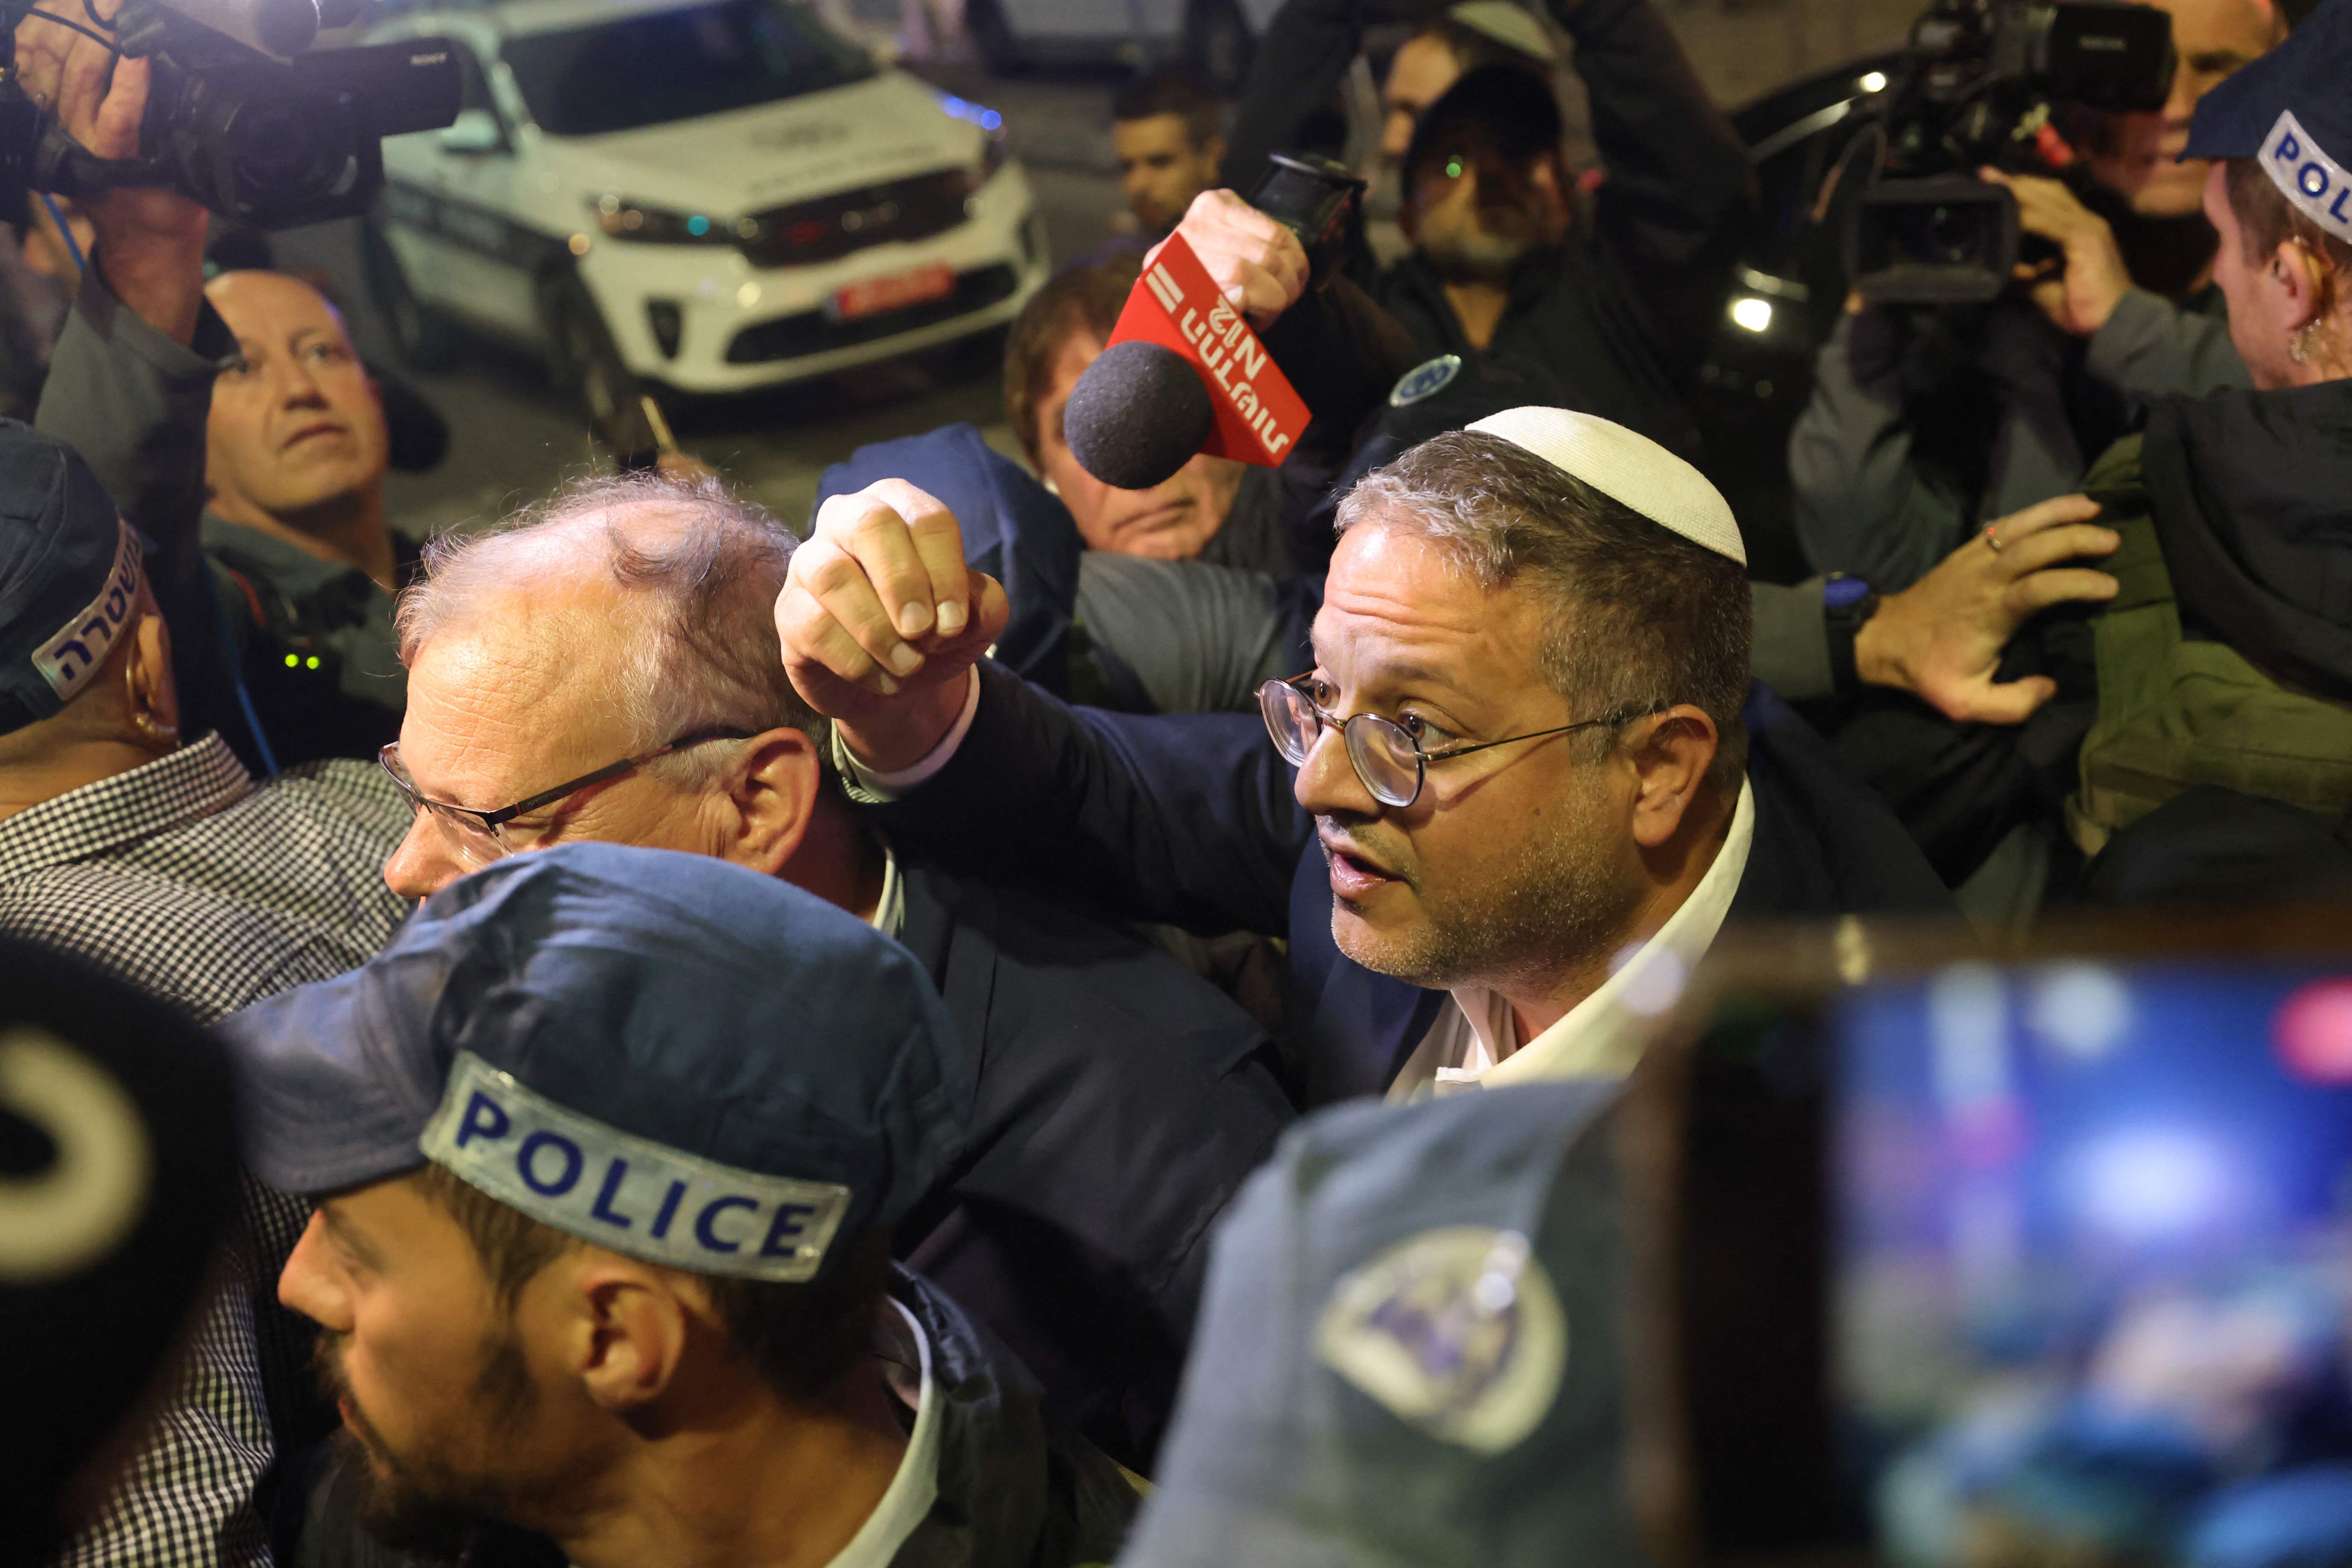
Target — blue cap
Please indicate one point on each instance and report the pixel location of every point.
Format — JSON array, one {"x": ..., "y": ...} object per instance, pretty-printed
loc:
[
  {"x": 665, "y": 1054},
  {"x": 2291, "y": 111},
  {"x": 69, "y": 575},
  {"x": 1409, "y": 1347}
]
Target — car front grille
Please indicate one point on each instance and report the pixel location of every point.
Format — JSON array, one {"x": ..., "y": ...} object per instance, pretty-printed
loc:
[
  {"x": 833, "y": 226},
  {"x": 816, "y": 332}
]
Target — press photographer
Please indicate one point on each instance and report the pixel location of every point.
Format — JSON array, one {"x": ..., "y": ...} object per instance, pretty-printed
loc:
[
  {"x": 256, "y": 426},
  {"x": 1927, "y": 418}
]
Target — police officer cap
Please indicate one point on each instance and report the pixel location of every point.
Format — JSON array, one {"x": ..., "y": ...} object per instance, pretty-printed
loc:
[
  {"x": 665, "y": 1054},
  {"x": 69, "y": 575},
  {"x": 2291, "y": 110},
  {"x": 1628, "y": 468},
  {"x": 1408, "y": 1349},
  {"x": 118, "y": 1179}
]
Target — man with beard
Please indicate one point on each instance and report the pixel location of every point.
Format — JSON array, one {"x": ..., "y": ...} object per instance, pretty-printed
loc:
[
  {"x": 1615, "y": 311},
  {"x": 589, "y": 1267},
  {"x": 1527, "y": 793}
]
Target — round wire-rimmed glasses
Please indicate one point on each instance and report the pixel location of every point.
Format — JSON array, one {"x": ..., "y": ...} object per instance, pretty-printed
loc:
[
  {"x": 1391, "y": 762},
  {"x": 481, "y": 835}
]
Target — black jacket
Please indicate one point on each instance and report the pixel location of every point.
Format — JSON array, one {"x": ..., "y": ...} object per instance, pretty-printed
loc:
[
  {"x": 1191, "y": 820},
  {"x": 2252, "y": 494},
  {"x": 1121, "y": 1102}
]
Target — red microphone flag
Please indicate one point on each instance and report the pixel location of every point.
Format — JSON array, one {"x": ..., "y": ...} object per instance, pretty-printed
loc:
[{"x": 1175, "y": 305}]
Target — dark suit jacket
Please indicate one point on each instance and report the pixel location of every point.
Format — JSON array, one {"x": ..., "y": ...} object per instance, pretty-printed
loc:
[
  {"x": 1120, "y": 1100},
  {"x": 1189, "y": 819}
]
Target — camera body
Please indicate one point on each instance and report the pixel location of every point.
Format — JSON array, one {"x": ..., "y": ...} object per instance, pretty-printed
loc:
[
  {"x": 269, "y": 142},
  {"x": 1978, "y": 88},
  {"x": 1316, "y": 199}
]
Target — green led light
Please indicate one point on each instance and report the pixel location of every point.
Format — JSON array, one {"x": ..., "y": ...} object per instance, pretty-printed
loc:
[
  {"x": 1453, "y": 168},
  {"x": 291, "y": 661},
  {"x": 311, "y": 662}
]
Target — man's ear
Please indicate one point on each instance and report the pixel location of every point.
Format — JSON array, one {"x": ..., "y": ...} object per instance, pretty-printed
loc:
[
  {"x": 1671, "y": 753},
  {"x": 154, "y": 693},
  {"x": 1213, "y": 150},
  {"x": 626, "y": 1334},
  {"x": 773, "y": 790},
  {"x": 2304, "y": 283}
]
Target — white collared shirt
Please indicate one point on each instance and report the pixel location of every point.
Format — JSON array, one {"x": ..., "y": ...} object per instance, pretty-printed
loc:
[
  {"x": 917, "y": 1485},
  {"x": 1475, "y": 1041}
]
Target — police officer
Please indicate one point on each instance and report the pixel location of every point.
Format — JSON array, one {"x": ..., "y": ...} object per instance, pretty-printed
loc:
[
  {"x": 2225, "y": 665},
  {"x": 607, "y": 1148},
  {"x": 1391, "y": 1314}
]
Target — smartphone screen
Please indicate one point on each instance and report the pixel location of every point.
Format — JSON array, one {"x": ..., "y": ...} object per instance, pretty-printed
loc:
[{"x": 2091, "y": 1273}]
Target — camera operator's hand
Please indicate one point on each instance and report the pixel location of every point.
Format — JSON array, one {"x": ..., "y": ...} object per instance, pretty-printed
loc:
[
  {"x": 2092, "y": 279},
  {"x": 151, "y": 243},
  {"x": 1255, "y": 262},
  {"x": 1941, "y": 638},
  {"x": 880, "y": 620}
]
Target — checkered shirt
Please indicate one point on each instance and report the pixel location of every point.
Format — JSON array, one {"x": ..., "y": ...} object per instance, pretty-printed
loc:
[{"x": 191, "y": 880}]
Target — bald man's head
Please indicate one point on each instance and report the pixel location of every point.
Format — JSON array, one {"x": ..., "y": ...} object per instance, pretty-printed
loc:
[{"x": 296, "y": 430}]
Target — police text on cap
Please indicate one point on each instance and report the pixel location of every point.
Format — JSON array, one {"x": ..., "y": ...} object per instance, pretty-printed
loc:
[{"x": 626, "y": 1192}]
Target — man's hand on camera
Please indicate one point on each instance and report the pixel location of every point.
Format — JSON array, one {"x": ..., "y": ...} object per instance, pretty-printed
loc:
[
  {"x": 1941, "y": 638},
  {"x": 880, "y": 620},
  {"x": 151, "y": 242},
  {"x": 2092, "y": 279},
  {"x": 1255, "y": 263}
]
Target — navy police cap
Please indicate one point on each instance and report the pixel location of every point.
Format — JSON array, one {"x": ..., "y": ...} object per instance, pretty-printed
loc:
[
  {"x": 1408, "y": 1349},
  {"x": 69, "y": 575},
  {"x": 667, "y": 1054},
  {"x": 2291, "y": 110}
]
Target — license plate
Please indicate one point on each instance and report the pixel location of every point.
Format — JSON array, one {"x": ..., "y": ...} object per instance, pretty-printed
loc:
[{"x": 893, "y": 291}]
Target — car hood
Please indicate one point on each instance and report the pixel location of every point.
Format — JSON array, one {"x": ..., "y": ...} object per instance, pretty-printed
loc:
[{"x": 886, "y": 128}]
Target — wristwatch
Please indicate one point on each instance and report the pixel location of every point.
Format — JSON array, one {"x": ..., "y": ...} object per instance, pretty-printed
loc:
[{"x": 1846, "y": 604}]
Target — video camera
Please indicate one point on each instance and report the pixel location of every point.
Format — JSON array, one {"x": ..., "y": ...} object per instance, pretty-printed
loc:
[
  {"x": 1977, "y": 87},
  {"x": 238, "y": 117}
]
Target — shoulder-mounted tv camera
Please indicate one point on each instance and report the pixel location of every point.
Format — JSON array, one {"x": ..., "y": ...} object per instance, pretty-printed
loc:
[
  {"x": 239, "y": 117},
  {"x": 1977, "y": 88}
]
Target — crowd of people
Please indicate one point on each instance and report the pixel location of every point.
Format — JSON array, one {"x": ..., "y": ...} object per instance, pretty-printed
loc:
[{"x": 834, "y": 1045}]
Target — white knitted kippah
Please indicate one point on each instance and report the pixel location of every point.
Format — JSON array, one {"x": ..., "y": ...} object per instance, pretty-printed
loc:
[{"x": 1627, "y": 468}]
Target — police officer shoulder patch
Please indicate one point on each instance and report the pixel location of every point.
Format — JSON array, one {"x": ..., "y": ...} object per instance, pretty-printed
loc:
[
  {"x": 1425, "y": 380},
  {"x": 1457, "y": 1330}
]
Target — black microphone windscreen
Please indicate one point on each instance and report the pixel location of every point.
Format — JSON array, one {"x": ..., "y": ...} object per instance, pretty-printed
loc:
[{"x": 1137, "y": 414}]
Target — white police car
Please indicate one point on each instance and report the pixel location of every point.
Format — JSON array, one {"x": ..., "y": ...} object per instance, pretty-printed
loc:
[{"x": 706, "y": 194}]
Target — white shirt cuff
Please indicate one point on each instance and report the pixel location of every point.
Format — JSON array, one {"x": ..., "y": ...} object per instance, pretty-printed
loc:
[{"x": 875, "y": 784}]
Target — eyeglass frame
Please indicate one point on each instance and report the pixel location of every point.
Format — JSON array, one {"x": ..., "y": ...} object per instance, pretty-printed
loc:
[
  {"x": 491, "y": 821},
  {"x": 1326, "y": 719}
]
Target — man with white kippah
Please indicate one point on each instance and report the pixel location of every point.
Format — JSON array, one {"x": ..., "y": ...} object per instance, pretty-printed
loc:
[{"x": 1546, "y": 786}]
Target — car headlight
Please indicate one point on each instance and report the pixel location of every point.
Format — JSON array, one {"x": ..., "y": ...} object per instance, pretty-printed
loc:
[{"x": 622, "y": 219}]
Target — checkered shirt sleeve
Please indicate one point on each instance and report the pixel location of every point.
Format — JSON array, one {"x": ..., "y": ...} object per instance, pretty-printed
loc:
[{"x": 190, "y": 882}]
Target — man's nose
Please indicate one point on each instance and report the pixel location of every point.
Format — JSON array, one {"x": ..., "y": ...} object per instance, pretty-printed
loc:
[
  {"x": 296, "y": 387},
  {"x": 423, "y": 864},
  {"x": 306, "y": 1285},
  {"x": 1396, "y": 134},
  {"x": 1327, "y": 784}
]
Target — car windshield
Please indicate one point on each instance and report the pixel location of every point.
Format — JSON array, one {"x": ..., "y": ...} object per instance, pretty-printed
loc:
[{"x": 675, "y": 65}]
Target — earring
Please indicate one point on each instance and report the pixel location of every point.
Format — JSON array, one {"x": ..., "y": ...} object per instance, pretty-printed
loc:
[
  {"x": 157, "y": 734},
  {"x": 2298, "y": 343}
]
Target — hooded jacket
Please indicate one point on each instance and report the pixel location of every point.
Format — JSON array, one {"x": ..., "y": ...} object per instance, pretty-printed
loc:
[{"x": 2226, "y": 659}]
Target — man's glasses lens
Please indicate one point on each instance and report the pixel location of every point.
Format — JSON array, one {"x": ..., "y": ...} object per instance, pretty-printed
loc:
[
  {"x": 473, "y": 840},
  {"x": 1382, "y": 754}
]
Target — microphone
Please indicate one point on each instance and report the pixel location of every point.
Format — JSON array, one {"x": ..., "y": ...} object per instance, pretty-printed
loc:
[
  {"x": 1137, "y": 415},
  {"x": 1183, "y": 374}
]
